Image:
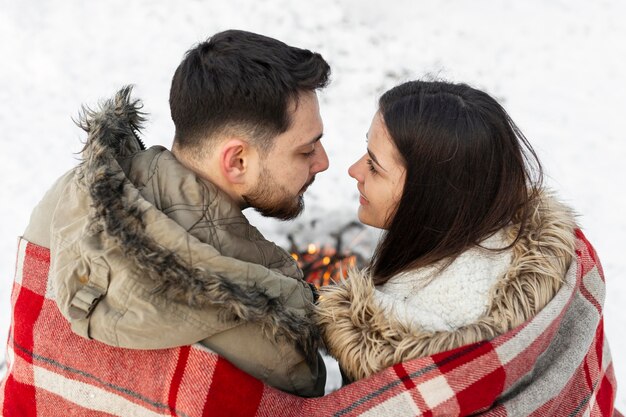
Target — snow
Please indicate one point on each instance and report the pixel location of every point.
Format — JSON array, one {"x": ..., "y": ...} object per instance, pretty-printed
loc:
[{"x": 556, "y": 67}]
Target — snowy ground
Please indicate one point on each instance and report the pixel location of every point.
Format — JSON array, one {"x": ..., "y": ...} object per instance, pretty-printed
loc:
[{"x": 555, "y": 65}]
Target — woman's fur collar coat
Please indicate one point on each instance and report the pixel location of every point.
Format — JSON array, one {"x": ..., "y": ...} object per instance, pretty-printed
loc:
[{"x": 366, "y": 338}]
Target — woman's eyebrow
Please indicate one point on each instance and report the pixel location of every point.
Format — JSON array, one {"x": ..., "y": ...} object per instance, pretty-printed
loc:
[{"x": 371, "y": 154}]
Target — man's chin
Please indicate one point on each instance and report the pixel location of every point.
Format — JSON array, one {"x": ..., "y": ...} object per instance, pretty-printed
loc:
[{"x": 285, "y": 211}]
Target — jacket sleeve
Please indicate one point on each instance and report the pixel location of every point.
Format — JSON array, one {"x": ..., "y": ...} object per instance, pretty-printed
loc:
[
  {"x": 38, "y": 229},
  {"x": 276, "y": 363}
]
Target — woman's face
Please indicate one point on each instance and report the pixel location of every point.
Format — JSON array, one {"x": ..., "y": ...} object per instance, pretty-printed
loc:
[{"x": 380, "y": 176}]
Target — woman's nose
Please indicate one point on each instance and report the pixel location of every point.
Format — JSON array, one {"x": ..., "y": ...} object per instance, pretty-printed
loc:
[{"x": 354, "y": 171}]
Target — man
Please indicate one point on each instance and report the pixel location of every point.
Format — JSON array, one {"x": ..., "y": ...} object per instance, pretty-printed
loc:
[{"x": 150, "y": 249}]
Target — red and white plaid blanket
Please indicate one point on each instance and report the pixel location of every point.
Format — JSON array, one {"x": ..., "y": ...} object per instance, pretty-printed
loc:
[{"x": 558, "y": 364}]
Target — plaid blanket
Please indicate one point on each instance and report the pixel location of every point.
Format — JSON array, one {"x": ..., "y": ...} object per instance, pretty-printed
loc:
[{"x": 557, "y": 364}]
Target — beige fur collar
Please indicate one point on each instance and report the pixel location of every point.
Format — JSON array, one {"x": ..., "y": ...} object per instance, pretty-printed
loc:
[{"x": 365, "y": 339}]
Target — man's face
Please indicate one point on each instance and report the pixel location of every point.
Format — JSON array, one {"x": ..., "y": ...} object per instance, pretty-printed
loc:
[{"x": 290, "y": 166}]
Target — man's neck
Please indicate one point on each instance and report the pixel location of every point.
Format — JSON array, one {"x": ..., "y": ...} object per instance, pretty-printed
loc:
[{"x": 211, "y": 175}]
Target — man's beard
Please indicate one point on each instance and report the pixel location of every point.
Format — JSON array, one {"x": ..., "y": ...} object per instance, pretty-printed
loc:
[{"x": 273, "y": 200}]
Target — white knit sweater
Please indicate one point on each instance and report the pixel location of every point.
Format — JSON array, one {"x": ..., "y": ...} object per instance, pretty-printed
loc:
[{"x": 446, "y": 300}]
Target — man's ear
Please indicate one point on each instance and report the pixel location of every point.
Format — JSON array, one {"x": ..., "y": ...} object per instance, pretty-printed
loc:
[{"x": 234, "y": 160}]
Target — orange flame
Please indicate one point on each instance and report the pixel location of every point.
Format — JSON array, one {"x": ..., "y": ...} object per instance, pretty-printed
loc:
[{"x": 326, "y": 277}]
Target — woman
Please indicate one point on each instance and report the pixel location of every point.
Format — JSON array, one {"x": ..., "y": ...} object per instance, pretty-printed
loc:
[{"x": 473, "y": 246}]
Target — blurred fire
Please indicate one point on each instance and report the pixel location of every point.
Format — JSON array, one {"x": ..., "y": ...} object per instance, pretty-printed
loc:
[{"x": 325, "y": 264}]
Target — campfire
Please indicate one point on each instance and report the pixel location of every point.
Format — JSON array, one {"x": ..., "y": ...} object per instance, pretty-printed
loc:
[{"x": 324, "y": 264}]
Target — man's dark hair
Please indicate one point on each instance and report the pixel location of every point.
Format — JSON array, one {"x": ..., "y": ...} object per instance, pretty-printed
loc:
[
  {"x": 241, "y": 81},
  {"x": 469, "y": 172}
]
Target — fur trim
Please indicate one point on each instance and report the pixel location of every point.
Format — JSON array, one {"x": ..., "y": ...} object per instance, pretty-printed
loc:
[
  {"x": 365, "y": 338},
  {"x": 112, "y": 133}
]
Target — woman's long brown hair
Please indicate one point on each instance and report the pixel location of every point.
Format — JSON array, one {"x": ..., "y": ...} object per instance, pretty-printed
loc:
[{"x": 469, "y": 172}]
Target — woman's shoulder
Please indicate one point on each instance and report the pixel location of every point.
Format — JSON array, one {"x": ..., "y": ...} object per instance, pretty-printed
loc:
[
  {"x": 521, "y": 281},
  {"x": 439, "y": 298}
]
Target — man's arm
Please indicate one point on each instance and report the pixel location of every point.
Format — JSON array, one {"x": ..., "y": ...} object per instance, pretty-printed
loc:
[{"x": 278, "y": 364}]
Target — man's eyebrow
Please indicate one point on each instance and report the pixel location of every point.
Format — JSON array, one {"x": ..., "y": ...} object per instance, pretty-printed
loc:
[
  {"x": 316, "y": 139},
  {"x": 371, "y": 154}
]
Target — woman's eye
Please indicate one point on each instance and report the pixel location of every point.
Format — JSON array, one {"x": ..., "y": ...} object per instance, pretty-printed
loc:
[{"x": 370, "y": 165}]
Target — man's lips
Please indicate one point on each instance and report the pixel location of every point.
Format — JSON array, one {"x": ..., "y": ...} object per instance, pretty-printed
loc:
[{"x": 303, "y": 189}]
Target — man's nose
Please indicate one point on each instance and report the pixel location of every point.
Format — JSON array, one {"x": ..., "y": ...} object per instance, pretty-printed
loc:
[{"x": 321, "y": 161}]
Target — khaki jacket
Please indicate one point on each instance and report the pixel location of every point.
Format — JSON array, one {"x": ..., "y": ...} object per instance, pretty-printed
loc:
[{"x": 146, "y": 255}]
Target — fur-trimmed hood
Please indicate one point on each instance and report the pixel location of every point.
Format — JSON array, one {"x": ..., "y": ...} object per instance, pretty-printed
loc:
[
  {"x": 366, "y": 338},
  {"x": 168, "y": 238}
]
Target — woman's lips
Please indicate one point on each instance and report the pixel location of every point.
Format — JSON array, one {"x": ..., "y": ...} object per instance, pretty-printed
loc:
[{"x": 362, "y": 200}]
